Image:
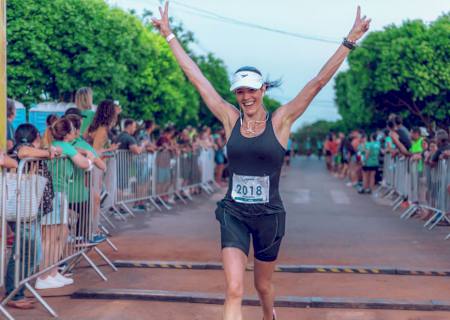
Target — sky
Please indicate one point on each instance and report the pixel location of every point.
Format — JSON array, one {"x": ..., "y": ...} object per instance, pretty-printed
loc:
[{"x": 295, "y": 60}]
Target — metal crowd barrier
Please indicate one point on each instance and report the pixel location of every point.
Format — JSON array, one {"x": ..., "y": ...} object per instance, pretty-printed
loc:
[
  {"x": 425, "y": 187},
  {"x": 388, "y": 178},
  {"x": 51, "y": 208},
  {"x": 54, "y": 207},
  {"x": 3, "y": 239},
  {"x": 156, "y": 178}
]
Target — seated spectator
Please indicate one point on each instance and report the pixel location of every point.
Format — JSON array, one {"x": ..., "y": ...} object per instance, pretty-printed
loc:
[{"x": 10, "y": 116}]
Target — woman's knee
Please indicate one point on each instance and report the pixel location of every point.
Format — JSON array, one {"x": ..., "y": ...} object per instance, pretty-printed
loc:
[
  {"x": 263, "y": 287},
  {"x": 235, "y": 290}
]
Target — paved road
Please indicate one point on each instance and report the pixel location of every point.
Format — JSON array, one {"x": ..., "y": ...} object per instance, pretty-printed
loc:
[{"x": 327, "y": 223}]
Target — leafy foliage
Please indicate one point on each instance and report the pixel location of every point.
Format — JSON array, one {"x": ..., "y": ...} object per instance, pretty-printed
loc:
[
  {"x": 402, "y": 69},
  {"x": 58, "y": 46}
]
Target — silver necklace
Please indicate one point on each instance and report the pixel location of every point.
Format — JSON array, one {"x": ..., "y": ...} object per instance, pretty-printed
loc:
[{"x": 251, "y": 129}]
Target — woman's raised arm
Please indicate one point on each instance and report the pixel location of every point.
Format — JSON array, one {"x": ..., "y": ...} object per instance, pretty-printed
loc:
[
  {"x": 223, "y": 111},
  {"x": 295, "y": 108}
]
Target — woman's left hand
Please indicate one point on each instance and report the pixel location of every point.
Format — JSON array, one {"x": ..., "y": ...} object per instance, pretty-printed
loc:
[{"x": 360, "y": 27}]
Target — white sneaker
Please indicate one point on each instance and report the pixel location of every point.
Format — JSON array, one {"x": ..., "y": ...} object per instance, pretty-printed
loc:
[
  {"x": 48, "y": 283},
  {"x": 64, "y": 280}
]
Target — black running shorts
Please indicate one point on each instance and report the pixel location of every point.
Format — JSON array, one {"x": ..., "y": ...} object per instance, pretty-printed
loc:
[{"x": 266, "y": 231}]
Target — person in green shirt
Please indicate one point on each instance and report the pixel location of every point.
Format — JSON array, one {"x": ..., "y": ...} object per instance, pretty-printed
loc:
[
  {"x": 371, "y": 163},
  {"x": 55, "y": 224},
  {"x": 417, "y": 148},
  {"x": 87, "y": 224},
  {"x": 84, "y": 102}
]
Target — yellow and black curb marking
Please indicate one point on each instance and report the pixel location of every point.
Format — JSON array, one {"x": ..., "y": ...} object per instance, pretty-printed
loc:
[
  {"x": 288, "y": 301},
  {"x": 283, "y": 268}
]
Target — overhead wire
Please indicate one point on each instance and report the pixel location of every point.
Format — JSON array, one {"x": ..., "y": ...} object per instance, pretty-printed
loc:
[{"x": 212, "y": 15}]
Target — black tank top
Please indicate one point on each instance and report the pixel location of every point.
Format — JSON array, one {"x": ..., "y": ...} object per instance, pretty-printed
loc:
[{"x": 259, "y": 156}]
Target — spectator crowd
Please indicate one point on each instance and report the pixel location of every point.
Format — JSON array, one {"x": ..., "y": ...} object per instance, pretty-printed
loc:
[
  {"x": 85, "y": 135},
  {"x": 358, "y": 157}
]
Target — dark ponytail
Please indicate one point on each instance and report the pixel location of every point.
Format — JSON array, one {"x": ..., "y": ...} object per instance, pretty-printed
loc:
[{"x": 26, "y": 133}]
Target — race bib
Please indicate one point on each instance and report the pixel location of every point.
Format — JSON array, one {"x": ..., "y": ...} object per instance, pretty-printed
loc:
[{"x": 249, "y": 189}]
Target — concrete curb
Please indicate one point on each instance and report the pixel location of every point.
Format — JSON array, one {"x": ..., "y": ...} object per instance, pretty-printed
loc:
[
  {"x": 286, "y": 302},
  {"x": 284, "y": 268}
]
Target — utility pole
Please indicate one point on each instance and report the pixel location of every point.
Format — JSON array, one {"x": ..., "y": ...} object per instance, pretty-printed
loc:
[{"x": 3, "y": 74}]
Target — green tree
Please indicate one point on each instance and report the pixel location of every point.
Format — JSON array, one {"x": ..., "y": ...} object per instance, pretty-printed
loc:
[
  {"x": 57, "y": 46},
  {"x": 401, "y": 69}
]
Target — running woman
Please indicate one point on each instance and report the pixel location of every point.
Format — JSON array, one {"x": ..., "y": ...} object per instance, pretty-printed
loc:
[{"x": 256, "y": 147}]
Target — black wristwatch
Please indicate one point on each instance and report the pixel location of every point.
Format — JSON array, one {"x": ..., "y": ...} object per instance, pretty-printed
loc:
[{"x": 349, "y": 44}]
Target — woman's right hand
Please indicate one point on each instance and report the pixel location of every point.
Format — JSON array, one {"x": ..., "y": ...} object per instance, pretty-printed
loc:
[{"x": 163, "y": 24}]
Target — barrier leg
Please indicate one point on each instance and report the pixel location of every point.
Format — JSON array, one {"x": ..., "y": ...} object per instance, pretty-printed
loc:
[
  {"x": 105, "y": 258},
  {"x": 397, "y": 203},
  {"x": 6, "y": 313},
  {"x": 127, "y": 209},
  {"x": 111, "y": 244},
  {"x": 41, "y": 300},
  {"x": 389, "y": 193},
  {"x": 378, "y": 189},
  {"x": 180, "y": 197},
  {"x": 447, "y": 237},
  {"x": 439, "y": 219},
  {"x": 205, "y": 188},
  {"x": 431, "y": 219},
  {"x": 165, "y": 205},
  {"x": 186, "y": 193},
  {"x": 153, "y": 202},
  {"x": 105, "y": 231},
  {"x": 94, "y": 266},
  {"x": 119, "y": 214},
  {"x": 103, "y": 215},
  {"x": 71, "y": 264},
  {"x": 410, "y": 212}
]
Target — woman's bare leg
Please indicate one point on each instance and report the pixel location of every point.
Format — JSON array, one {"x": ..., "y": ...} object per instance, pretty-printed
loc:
[
  {"x": 234, "y": 263},
  {"x": 263, "y": 284}
]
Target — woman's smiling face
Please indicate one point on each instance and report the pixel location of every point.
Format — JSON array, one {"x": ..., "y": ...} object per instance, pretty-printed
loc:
[{"x": 250, "y": 100}]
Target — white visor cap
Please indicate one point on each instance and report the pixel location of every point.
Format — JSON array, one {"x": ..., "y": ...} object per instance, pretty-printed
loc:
[{"x": 246, "y": 79}]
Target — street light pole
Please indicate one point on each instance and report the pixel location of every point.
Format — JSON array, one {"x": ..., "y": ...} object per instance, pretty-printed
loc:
[{"x": 3, "y": 74}]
